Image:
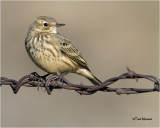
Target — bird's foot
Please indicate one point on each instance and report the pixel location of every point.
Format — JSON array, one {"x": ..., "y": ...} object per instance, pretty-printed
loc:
[
  {"x": 56, "y": 79},
  {"x": 61, "y": 79},
  {"x": 41, "y": 79}
]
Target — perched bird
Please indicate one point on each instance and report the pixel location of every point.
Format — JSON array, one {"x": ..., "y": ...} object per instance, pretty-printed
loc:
[{"x": 52, "y": 52}]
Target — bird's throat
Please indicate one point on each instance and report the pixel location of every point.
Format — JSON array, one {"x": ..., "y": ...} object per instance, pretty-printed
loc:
[{"x": 54, "y": 30}]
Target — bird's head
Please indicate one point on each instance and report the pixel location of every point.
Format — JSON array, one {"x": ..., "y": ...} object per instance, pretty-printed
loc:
[{"x": 45, "y": 24}]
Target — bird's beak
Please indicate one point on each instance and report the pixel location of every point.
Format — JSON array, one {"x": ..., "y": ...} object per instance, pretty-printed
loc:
[{"x": 59, "y": 25}]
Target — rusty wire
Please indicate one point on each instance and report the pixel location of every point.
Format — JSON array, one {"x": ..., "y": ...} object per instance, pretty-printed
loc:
[{"x": 52, "y": 82}]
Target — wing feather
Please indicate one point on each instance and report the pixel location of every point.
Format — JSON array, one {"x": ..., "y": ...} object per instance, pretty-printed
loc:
[{"x": 67, "y": 48}]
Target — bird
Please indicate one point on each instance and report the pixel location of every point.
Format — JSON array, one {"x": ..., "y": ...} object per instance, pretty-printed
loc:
[{"x": 54, "y": 53}]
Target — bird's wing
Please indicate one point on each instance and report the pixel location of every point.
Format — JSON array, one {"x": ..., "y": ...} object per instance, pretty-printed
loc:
[{"x": 67, "y": 48}]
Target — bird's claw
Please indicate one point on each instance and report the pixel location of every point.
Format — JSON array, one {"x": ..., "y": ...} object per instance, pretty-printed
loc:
[
  {"x": 47, "y": 84},
  {"x": 60, "y": 79},
  {"x": 41, "y": 79}
]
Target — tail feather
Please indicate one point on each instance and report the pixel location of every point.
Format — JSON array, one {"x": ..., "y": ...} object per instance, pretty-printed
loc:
[
  {"x": 89, "y": 75},
  {"x": 95, "y": 80}
]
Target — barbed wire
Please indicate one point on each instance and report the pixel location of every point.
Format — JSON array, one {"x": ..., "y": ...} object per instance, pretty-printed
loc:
[{"x": 51, "y": 82}]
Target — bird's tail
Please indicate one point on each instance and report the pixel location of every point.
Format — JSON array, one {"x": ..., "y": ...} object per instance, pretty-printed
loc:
[
  {"x": 95, "y": 80},
  {"x": 90, "y": 76}
]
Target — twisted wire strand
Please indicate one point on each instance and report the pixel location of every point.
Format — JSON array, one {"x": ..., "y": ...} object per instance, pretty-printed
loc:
[{"x": 54, "y": 82}]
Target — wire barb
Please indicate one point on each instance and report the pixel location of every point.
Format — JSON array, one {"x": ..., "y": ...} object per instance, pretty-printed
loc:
[{"x": 51, "y": 82}]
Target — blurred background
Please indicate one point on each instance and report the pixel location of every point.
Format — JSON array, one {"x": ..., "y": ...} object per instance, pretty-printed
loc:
[{"x": 110, "y": 35}]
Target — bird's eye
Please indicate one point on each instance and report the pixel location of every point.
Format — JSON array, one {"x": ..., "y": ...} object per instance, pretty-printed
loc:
[{"x": 45, "y": 24}]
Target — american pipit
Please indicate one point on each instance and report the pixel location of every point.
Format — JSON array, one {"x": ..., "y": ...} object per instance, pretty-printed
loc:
[{"x": 52, "y": 52}]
